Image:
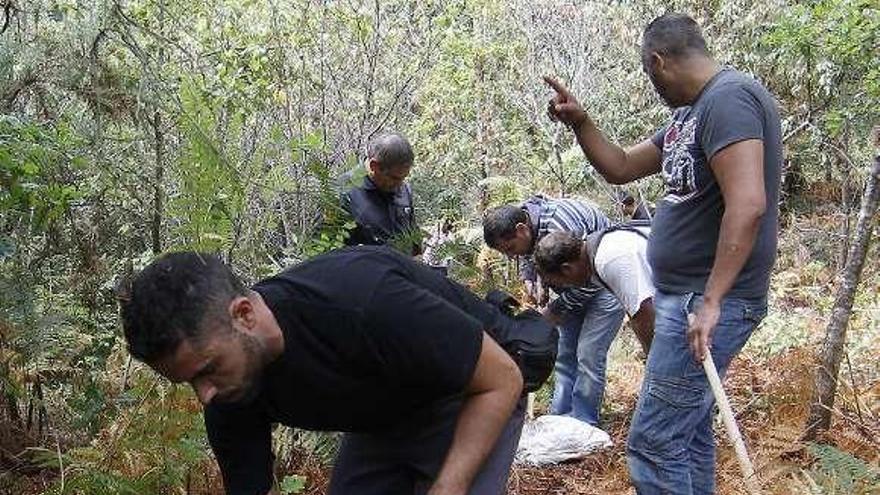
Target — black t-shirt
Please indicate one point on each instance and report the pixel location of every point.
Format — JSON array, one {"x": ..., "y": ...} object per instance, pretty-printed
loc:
[{"x": 372, "y": 339}]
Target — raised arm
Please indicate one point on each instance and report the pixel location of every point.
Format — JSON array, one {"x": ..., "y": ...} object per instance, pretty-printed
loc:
[{"x": 616, "y": 164}]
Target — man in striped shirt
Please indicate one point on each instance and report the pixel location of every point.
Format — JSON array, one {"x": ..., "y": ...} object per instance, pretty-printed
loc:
[{"x": 590, "y": 316}]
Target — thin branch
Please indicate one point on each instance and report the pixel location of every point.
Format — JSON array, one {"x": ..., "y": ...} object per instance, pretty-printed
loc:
[
  {"x": 797, "y": 130},
  {"x": 391, "y": 107},
  {"x": 60, "y": 461},
  {"x": 119, "y": 10},
  {"x": 8, "y": 10}
]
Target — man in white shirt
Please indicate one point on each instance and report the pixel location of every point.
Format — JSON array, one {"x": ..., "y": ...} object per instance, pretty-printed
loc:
[{"x": 614, "y": 257}]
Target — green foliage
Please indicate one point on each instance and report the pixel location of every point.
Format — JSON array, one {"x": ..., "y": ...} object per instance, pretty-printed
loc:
[
  {"x": 503, "y": 191},
  {"x": 211, "y": 192},
  {"x": 840, "y": 36},
  {"x": 828, "y": 69},
  {"x": 467, "y": 113},
  {"x": 838, "y": 472},
  {"x": 292, "y": 484},
  {"x": 405, "y": 241},
  {"x": 34, "y": 160},
  {"x": 335, "y": 223},
  {"x": 150, "y": 448}
]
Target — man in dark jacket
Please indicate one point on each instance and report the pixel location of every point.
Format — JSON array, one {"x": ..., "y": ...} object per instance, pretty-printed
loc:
[{"x": 380, "y": 201}]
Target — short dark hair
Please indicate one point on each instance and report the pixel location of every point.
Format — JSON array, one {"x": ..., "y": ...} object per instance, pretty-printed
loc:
[
  {"x": 624, "y": 198},
  {"x": 169, "y": 301},
  {"x": 500, "y": 223},
  {"x": 390, "y": 150},
  {"x": 555, "y": 249},
  {"x": 673, "y": 35}
]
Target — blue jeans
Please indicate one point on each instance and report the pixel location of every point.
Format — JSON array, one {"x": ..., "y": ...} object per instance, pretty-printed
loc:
[
  {"x": 671, "y": 449},
  {"x": 584, "y": 339}
]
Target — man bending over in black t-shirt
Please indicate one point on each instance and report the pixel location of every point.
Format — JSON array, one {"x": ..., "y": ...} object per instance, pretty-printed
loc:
[{"x": 361, "y": 340}]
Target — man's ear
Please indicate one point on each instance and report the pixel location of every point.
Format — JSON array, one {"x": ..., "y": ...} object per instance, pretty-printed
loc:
[
  {"x": 522, "y": 229},
  {"x": 566, "y": 269},
  {"x": 657, "y": 63},
  {"x": 242, "y": 312},
  {"x": 373, "y": 165},
  {"x": 574, "y": 272}
]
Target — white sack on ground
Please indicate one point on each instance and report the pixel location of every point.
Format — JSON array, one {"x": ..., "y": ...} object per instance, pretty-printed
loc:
[{"x": 554, "y": 439}]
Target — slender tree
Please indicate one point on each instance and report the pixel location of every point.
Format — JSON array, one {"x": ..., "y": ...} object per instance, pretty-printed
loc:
[{"x": 835, "y": 336}]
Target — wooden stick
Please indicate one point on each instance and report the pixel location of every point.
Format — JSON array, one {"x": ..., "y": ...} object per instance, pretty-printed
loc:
[
  {"x": 742, "y": 455},
  {"x": 530, "y": 406}
]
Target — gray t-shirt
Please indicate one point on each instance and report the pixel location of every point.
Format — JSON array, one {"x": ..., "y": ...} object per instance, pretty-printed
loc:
[{"x": 732, "y": 107}]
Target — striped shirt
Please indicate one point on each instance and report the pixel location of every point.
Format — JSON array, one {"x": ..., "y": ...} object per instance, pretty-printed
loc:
[{"x": 568, "y": 215}]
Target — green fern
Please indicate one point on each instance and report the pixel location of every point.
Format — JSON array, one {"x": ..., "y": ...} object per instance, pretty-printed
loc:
[{"x": 840, "y": 472}]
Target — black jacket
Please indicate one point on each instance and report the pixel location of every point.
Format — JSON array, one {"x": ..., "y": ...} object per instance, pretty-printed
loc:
[{"x": 380, "y": 217}]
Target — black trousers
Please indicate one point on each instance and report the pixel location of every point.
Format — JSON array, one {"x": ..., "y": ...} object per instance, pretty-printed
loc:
[{"x": 405, "y": 459}]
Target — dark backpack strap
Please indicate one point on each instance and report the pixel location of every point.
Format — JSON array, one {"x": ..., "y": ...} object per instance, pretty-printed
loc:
[
  {"x": 595, "y": 238},
  {"x": 632, "y": 226}
]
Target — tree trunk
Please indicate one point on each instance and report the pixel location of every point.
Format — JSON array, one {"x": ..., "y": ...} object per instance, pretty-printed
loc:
[
  {"x": 158, "y": 190},
  {"x": 159, "y": 172},
  {"x": 482, "y": 154},
  {"x": 832, "y": 348}
]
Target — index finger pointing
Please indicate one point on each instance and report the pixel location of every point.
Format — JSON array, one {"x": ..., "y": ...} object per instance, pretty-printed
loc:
[{"x": 556, "y": 85}]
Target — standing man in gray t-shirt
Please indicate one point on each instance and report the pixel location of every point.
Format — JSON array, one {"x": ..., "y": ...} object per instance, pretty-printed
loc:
[{"x": 712, "y": 246}]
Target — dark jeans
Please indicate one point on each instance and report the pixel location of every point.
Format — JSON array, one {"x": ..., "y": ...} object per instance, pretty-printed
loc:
[{"x": 405, "y": 460}]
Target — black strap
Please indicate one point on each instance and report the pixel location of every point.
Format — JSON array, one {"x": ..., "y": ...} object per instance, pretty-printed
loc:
[{"x": 595, "y": 238}]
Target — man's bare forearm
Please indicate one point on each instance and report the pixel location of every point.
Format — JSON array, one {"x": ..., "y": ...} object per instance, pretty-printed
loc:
[
  {"x": 643, "y": 324},
  {"x": 606, "y": 157},
  {"x": 490, "y": 400},
  {"x": 482, "y": 419},
  {"x": 739, "y": 229},
  {"x": 617, "y": 165}
]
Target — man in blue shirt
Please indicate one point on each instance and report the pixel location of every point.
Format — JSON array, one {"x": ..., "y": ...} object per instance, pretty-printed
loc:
[{"x": 712, "y": 245}]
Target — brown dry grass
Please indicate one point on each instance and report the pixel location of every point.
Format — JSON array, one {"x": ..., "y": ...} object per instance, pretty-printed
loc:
[{"x": 770, "y": 399}]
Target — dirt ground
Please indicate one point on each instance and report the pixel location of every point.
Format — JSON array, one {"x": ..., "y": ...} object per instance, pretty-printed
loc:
[{"x": 770, "y": 398}]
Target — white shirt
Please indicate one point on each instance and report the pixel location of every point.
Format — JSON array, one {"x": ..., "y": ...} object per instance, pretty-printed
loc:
[
  {"x": 621, "y": 262},
  {"x": 433, "y": 245}
]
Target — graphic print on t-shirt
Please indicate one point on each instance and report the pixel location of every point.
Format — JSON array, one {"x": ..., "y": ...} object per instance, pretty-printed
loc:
[{"x": 678, "y": 160}]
